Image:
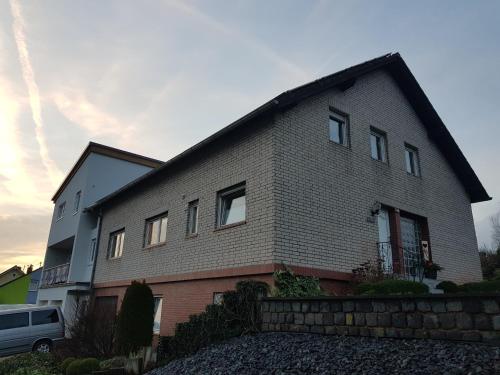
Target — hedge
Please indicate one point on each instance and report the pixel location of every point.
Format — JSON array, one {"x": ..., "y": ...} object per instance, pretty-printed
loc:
[{"x": 392, "y": 287}]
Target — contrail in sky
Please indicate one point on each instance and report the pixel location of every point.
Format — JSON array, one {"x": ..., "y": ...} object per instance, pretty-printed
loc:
[{"x": 34, "y": 96}]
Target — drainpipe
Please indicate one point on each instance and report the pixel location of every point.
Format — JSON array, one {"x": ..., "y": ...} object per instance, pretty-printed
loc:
[{"x": 97, "y": 241}]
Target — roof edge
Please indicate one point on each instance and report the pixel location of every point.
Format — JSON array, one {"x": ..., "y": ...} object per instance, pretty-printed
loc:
[{"x": 98, "y": 148}]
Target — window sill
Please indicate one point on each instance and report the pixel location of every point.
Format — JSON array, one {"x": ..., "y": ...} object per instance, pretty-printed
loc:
[
  {"x": 193, "y": 235},
  {"x": 115, "y": 258},
  {"x": 151, "y": 247},
  {"x": 383, "y": 162},
  {"x": 230, "y": 225},
  {"x": 414, "y": 175},
  {"x": 346, "y": 146}
]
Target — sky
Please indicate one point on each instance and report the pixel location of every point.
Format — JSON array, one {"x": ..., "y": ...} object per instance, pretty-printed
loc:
[{"x": 155, "y": 77}]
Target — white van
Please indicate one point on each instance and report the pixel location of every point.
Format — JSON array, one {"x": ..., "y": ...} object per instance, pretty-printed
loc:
[{"x": 25, "y": 328}]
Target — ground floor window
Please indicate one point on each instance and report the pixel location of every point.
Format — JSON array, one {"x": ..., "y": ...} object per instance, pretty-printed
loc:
[
  {"x": 218, "y": 298},
  {"x": 157, "y": 314}
]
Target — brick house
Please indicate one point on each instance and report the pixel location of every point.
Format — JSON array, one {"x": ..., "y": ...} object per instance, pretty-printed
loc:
[{"x": 351, "y": 167}]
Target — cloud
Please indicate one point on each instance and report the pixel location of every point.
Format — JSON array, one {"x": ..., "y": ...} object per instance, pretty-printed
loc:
[
  {"x": 77, "y": 108},
  {"x": 54, "y": 173}
]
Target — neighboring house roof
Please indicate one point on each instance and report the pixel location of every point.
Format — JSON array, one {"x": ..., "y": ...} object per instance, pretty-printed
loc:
[
  {"x": 107, "y": 151},
  {"x": 395, "y": 65},
  {"x": 13, "y": 269}
]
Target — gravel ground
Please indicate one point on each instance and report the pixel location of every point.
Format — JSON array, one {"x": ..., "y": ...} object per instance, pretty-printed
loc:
[{"x": 287, "y": 353}]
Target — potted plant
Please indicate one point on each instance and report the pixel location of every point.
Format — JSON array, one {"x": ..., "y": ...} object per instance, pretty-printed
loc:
[{"x": 431, "y": 269}]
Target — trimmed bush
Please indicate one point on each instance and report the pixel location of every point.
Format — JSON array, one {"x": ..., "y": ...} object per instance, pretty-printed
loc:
[
  {"x": 392, "y": 287},
  {"x": 135, "y": 320},
  {"x": 64, "y": 364},
  {"x": 448, "y": 287},
  {"x": 289, "y": 285},
  {"x": 74, "y": 367},
  {"x": 481, "y": 287},
  {"x": 238, "y": 314},
  {"x": 88, "y": 365}
]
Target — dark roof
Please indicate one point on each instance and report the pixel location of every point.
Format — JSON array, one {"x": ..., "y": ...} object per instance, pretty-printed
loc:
[
  {"x": 116, "y": 153},
  {"x": 395, "y": 65}
]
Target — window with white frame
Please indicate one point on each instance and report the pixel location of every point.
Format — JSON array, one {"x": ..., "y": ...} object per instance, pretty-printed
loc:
[
  {"x": 218, "y": 298},
  {"x": 156, "y": 230},
  {"x": 157, "y": 314},
  {"x": 378, "y": 145},
  {"x": 115, "y": 246},
  {"x": 338, "y": 128},
  {"x": 192, "y": 225},
  {"x": 60, "y": 210},
  {"x": 231, "y": 206},
  {"x": 411, "y": 160},
  {"x": 76, "y": 204}
]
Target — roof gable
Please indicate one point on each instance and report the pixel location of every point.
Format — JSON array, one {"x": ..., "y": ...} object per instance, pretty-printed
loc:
[
  {"x": 107, "y": 151},
  {"x": 397, "y": 68}
]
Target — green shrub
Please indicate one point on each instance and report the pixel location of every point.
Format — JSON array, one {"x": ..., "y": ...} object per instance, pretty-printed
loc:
[
  {"x": 74, "y": 367},
  {"x": 135, "y": 320},
  {"x": 29, "y": 364},
  {"x": 113, "y": 363},
  {"x": 448, "y": 287},
  {"x": 392, "y": 287},
  {"x": 64, "y": 364},
  {"x": 481, "y": 287},
  {"x": 238, "y": 314},
  {"x": 289, "y": 285},
  {"x": 88, "y": 365}
]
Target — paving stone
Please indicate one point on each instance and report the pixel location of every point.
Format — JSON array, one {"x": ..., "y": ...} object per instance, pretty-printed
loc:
[
  {"x": 324, "y": 307},
  {"x": 472, "y": 306},
  {"x": 454, "y": 306},
  {"x": 348, "y": 306},
  {"x": 309, "y": 319},
  {"x": 298, "y": 318},
  {"x": 371, "y": 319},
  {"x": 423, "y": 306},
  {"x": 438, "y": 306},
  {"x": 339, "y": 318},
  {"x": 464, "y": 321},
  {"x": 414, "y": 320},
  {"x": 483, "y": 322},
  {"x": 314, "y": 307},
  {"x": 447, "y": 320},
  {"x": 305, "y": 307},
  {"x": 430, "y": 321},
  {"x": 491, "y": 307},
  {"x": 359, "y": 319},
  {"x": 318, "y": 318},
  {"x": 335, "y": 306},
  {"x": 399, "y": 320},
  {"x": 378, "y": 306},
  {"x": 408, "y": 306},
  {"x": 384, "y": 319},
  {"x": 296, "y": 307},
  {"x": 364, "y": 306},
  {"x": 349, "y": 319}
]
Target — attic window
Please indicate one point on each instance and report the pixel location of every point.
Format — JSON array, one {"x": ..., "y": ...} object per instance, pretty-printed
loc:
[{"x": 338, "y": 128}]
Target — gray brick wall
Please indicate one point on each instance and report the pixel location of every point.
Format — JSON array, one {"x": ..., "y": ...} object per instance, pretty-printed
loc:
[
  {"x": 307, "y": 198},
  {"x": 247, "y": 158},
  {"x": 324, "y": 191}
]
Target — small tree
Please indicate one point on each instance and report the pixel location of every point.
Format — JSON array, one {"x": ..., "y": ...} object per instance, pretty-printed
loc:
[{"x": 135, "y": 320}]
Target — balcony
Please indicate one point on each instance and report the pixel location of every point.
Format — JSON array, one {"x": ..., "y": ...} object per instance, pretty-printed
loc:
[{"x": 55, "y": 275}]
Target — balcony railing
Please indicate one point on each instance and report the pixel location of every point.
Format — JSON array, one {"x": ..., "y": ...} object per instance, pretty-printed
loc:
[
  {"x": 413, "y": 262},
  {"x": 55, "y": 275}
]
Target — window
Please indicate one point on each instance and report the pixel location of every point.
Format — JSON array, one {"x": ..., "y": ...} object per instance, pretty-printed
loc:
[
  {"x": 115, "y": 247},
  {"x": 378, "y": 145},
  {"x": 44, "y": 317},
  {"x": 156, "y": 230},
  {"x": 93, "y": 244},
  {"x": 60, "y": 210},
  {"x": 18, "y": 320},
  {"x": 231, "y": 205},
  {"x": 157, "y": 315},
  {"x": 192, "y": 225},
  {"x": 411, "y": 159},
  {"x": 76, "y": 205},
  {"x": 338, "y": 128},
  {"x": 218, "y": 298}
]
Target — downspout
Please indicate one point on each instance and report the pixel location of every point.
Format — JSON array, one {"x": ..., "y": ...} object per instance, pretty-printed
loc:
[{"x": 98, "y": 238}]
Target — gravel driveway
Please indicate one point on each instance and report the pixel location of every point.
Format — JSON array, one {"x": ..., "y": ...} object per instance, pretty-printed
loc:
[{"x": 287, "y": 353}]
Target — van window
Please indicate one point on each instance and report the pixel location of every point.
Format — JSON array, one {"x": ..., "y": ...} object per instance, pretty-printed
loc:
[
  {"x": 16, "y": 320},
  {"x": 44, "y": 317}
]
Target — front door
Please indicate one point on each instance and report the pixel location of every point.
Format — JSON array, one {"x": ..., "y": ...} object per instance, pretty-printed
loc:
[
  {"x": 410, "y": 238},
  {"x": 384, "y": 240}
]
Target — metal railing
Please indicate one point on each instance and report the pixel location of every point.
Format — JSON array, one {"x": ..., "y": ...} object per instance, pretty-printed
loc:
[
  {"x": 55, "y": 275},
  {"x": 413, "y": 263}
]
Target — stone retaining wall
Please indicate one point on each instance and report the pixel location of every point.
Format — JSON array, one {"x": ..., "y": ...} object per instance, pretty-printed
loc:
[{"x": 450, "y": 317}]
